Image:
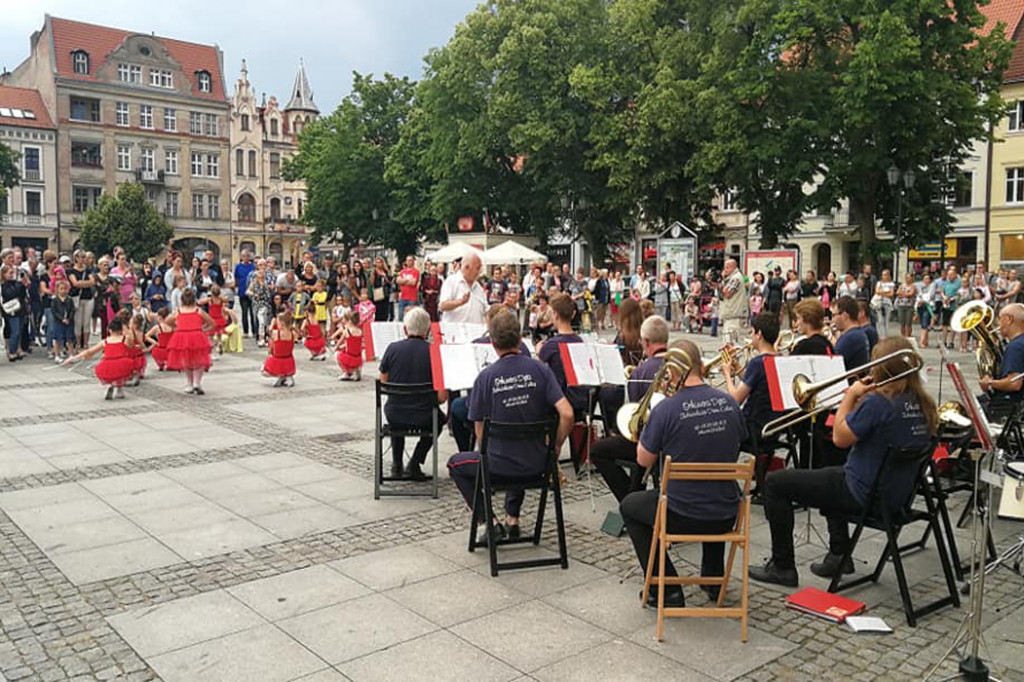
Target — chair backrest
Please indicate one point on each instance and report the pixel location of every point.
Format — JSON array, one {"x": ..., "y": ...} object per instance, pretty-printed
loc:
[
  {"x": 537, "y": 431},
  {"x": 391, "y": 388},
  {"x": 741, "y": 472},
  {"x": 921, "y": 457}
]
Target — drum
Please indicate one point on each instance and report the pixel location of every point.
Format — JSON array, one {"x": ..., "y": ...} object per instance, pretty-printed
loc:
[{"x": 1011, "y": 503}]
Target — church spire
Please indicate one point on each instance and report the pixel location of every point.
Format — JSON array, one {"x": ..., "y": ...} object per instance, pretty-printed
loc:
[{"x": 302, "y": 95}]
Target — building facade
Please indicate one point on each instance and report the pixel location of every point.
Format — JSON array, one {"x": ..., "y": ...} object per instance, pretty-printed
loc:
[
  {"x": 133, "y": 107},
  {"x": 267, "y": 209},
  {"x": 28, "y": 212}
]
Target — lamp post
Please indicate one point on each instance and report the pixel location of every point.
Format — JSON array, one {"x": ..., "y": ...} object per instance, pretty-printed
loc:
[{"x": 894, "y": 175}]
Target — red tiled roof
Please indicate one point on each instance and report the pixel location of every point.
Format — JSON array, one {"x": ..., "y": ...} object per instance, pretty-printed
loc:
[
  {"x": 1008, "y": 12},
  {"x": 100, "y": 41},
  {"x": 23, "y": 98}
]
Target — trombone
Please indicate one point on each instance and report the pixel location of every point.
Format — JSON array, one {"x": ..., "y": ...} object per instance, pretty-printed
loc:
[
  {"x": 808, "y": 393},
  {"x": 632, "y": 417}
]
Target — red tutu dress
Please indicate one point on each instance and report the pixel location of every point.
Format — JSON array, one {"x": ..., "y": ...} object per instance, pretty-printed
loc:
[
  {"x": 350, "y": 358},
  {"x": 159, "y": 351},
  {"x": 315, "y": 342},
  {"x": 138, "y": 355},
  {"x": 280, "y": 362},
  {"x": 116, "y": 367},
  {"x": 217, "y": 313},
  {"x": 189, "y": 347}
]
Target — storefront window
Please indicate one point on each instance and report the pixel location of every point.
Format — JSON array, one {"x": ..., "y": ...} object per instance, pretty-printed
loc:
[{"x": 1013, "y": 248}]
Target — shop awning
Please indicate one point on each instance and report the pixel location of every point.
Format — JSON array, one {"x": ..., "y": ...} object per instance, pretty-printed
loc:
[{"x": 717, "y": 246}]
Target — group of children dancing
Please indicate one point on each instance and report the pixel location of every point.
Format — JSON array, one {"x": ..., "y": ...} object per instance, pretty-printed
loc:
[{"x": 346, "y": 338}]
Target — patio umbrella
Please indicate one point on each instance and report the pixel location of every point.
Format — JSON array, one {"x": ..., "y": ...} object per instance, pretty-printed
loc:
[
  {"x": 453, "y": 251},
  {"x": 511, "y": 252}
]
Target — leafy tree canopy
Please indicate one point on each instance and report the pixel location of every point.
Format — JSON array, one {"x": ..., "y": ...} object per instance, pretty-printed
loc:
[
  {"x": 9, "y": 174},
  {"x": 127, "y": 220}
]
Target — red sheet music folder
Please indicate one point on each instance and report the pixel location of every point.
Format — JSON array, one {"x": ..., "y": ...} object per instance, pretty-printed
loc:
[{"x": 823, "y": 604}]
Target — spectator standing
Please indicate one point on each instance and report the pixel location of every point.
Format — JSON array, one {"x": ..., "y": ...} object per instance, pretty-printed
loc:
[
  {"x": 925, "y": 306},
  {"x": 409, "y": 281},
  {"x": 243, "y": 269},
  {"x": 430, "y": 289}
]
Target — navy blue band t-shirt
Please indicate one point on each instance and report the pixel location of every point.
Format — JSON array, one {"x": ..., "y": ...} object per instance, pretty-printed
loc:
[
  {"x": 408, "y": 362},
  {"x": 551, "y": 355},
  {"x": 879, "y": 423},
  {"x": 698, "y": 424},
  {"x": 757, "y": 408},
  {"x": 872, "y": 334},
  {"x": 515, "y": 390},
  {"x": 853, "y": 345},
  {"x": 1012, "y": 365},
  {"x": 640, "y": 380}
]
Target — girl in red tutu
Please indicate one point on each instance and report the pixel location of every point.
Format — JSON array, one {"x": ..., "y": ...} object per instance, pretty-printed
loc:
[
  {"x": 219, "y": 313},
  {"x": 159, "y": 337},
  {"x": 137, "y": 347},
  {"x": 350, "y": 348},
  {"x": 280, "y": 362},
  {"x": 315, "y": 342},
  {"x": 116, "y": 367},
  {"x": 189, "y": 348}
]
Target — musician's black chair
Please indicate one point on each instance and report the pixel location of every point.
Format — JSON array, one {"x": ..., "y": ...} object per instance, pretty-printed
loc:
[
  {"x": 891, "y": 522},
  {"x": 384, "y": 432},
  {"x": 486, "y": 485}
]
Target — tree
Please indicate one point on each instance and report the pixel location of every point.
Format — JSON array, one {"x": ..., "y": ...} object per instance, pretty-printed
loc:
[
  {"x": 126, "y": 219},
  {"x": 342, "y": 160},
  {"x": 9, "y": 175}
]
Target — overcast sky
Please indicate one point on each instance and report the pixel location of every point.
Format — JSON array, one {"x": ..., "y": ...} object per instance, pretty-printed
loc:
[{"x": 334, "y": 37}]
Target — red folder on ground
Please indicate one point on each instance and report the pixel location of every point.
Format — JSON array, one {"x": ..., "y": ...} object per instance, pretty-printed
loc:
[{"x": 823, "y": 604}]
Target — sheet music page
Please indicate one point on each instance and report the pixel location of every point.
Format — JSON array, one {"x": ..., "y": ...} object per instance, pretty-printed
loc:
[
  {"x": 459, "y": 364},
  {"x": 384, "y": 334},
  {"x": 815, "y": 367},
  {"x": 584, "y": 364},
  {"x": 485, "y": 355},
  {"x": 609, "y": 364}
]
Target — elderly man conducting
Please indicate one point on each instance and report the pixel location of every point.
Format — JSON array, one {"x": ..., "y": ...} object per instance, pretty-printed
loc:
[
  {"x": 462, "y": 298},
  {"x": 408, "y": 362},
  {"x": 735, "y": 308}
]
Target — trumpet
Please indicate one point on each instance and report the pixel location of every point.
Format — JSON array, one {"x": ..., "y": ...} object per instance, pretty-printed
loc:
[
  {"x": 735, "y": 358},
  {"x": 808, "y": 393},
  {"x": 631, "y": 417}
]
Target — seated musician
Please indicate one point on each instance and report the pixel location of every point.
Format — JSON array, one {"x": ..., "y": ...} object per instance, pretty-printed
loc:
[
  {"x": 899, "y": 414},
  {"x": 853, "y": 343},
  {"x": 609, "y": 451},
  {"x": 563, "y": 309},
  {"x": 810, "y": 321},
  {"x": 408, "y": 362},
  {"x": 515, "y": 389},
  {"x": 697, "y": 424},
  {"x": 1006, "y": 390},
  {"x": 459, "y": 421}
]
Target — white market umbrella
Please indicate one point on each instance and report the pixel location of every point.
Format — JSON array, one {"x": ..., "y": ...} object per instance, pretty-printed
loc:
[
  {"x": 511, "y": 252},
  {"x": 453, "y": 251}
]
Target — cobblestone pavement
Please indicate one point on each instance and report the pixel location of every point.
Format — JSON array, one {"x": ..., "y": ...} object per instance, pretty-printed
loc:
[{"x": 234, "y": 536}]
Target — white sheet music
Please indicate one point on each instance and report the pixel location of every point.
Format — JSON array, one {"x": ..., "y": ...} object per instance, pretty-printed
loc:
[
  {"x": 459, "y": 364},
  {"x": 814, "y": 367},
  {"x": 384, "y": 334},
  {"x": 609, "y": 364},
  {"x": 461, "y": 332},
  {"x": 596, "y": 364}
]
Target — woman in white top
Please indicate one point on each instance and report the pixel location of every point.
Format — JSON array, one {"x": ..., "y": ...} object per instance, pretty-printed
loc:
[
  {"x": 906, "y": 300},
  {"x": 885, "y": 292},
  {"x": 617, "y": 288},
  {"x": 643, "y": 288},
  {"x": 925, "y": 306}
]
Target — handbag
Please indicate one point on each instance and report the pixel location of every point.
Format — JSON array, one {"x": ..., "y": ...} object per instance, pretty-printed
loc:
[
  {"x": 12, "y": 307},
  {"x": 378, "y": 293}
]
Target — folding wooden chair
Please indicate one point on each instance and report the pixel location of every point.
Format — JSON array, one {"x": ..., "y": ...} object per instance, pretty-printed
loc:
[
  {"x": 384, "y": 432},
  {"x": 739, "y": 536}
]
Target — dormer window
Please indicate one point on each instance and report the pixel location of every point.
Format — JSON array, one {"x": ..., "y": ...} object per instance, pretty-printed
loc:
[
  {"x": 245, "y": 121},
  {"x": 273, "y": 127},
  {"x": 205, "y": 84},
  {"x": 80, "y": 60}
]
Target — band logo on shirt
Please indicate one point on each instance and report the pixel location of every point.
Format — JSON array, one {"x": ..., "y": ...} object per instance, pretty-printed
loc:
[
  {"x": 711, "y": 414},
  {"x": 521, "y": 384}
]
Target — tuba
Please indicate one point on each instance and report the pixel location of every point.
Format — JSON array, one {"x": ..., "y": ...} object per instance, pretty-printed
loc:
[
  {"x": 977, "y": 318},
  {"x": 632, "y": 417}
]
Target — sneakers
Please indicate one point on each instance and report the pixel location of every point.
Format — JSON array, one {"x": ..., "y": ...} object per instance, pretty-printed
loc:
[
  {"x": 190, "y": 390},
  {"x": 772, "y": 573},
  {"x": 827, "y": 567},
  {"x": 119, "y": 392},
  {"x": 198, "y": 390},
  {"x": 110, "y": 393},
  {"x": 279, "y": 382},
  {"x": 357, "y": 375}
]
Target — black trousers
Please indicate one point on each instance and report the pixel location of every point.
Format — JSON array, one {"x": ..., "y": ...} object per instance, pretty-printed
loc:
[
  {"x": 607, "y": 455},
  {"x": 398, "y": 420},
  {"x": 638, "y": 511},
  {"x": 248, "y": 315},
  {"x": 823, "y": 489}
]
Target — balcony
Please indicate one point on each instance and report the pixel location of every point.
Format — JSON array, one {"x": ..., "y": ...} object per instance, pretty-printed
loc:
[
  {"x": 150, "y": 177},
  {"x": 32, "y": 175}
]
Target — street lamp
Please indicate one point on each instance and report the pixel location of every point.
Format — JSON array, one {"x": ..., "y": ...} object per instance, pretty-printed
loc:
[{"x": 893, "y": 175}]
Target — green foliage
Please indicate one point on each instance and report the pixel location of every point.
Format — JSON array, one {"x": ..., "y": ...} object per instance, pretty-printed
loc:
[
  {"x": 128, "y": 220},
  {"x": 9, "y": 174}
]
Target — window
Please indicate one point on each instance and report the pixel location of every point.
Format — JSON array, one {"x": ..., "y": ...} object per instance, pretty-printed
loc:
[
  {"x": 197, "y": 165},
  {"x": 197, "y": 206},
  {"x": 147, "y": 160},
  {"x": 275, "y": 209},
  {"x": 213, "y": 206},
  {"x": 205, "y": 83},
  {"x": 170, "y": 120},
  {"x": 30, "y": 159},
  {"x": 171, "y": 162},
  {"x": 728, "y": 201},
  {"x": 86, "y": 197},
  {"x": 273, "y": 127},
  {"x": 210, "y": 125},
  {"x": 246, "y": 208},
  {"x": 80, "y": 59},
  {"x": 240, "y": 163},
  {"x": 963, "y": 190},
  {"x": 275, "y": 165},
  {"x": 212, "y": 166},
  {"x": 124, "y": 157},
  {"x": 1015, "y": 185},
  {"x": 252, "y": 163},
  {"x": 1015, "y": 120},
  {"x": 300, "y": 207},
  {"x": 245, "y": 122},
  {"x": 146, "y": 116},
  {"x": 159, "y": 78},
  {"x": 5, "y": 208},
  {"x": 122, "y": 111},
  {"x": 34, "y": 203},
  {"x": 129, "y": 73},
  {"x": 83, "y": 109},
  {"x": 171, "y": 203},
  {"x": 195, "y": 123},
  {"x": 88, "y": 154}
]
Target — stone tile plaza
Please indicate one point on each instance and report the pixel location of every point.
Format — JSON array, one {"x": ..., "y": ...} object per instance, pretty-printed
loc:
[{"x": 235, "y": 537}]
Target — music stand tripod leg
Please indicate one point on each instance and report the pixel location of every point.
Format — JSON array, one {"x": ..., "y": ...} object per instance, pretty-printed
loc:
[{"x": 809, "y": 526}]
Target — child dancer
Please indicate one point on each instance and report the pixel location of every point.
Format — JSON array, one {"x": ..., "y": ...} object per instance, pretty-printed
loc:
[
  {"x": 280, "y": 362},
  {"x": 116, "y": 367},
  {"x": 137, "y": 347},
  {"x": 319, "y": 300},
  {"x": 350, "y": 354},
  {"x": 62, "y": 309},
  {"x": 162, "y": 333},
  {"x": 366, "y": 308},
  {"x": 189, "y": 348},
  {"x": 217, "y": 307},
  {"x": 314, "y": 342}
]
